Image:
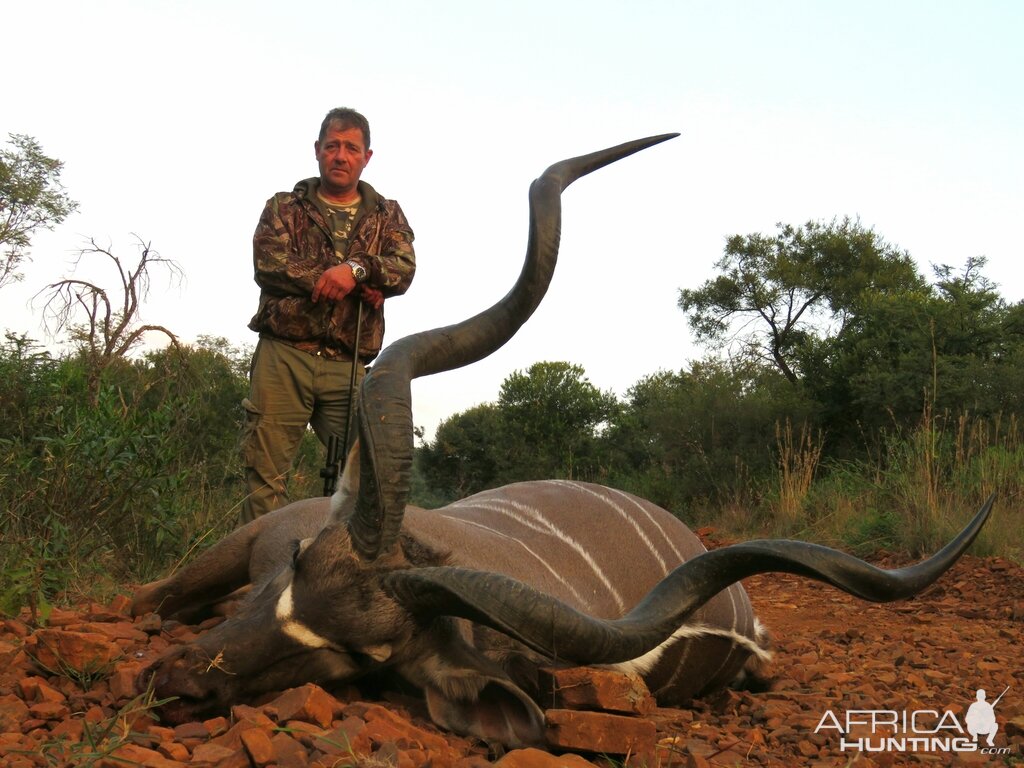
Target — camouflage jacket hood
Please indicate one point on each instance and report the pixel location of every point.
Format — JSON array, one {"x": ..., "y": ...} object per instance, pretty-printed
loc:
[{"x": 292, "y": 247}]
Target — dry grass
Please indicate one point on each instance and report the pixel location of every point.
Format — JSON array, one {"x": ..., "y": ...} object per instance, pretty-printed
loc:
[
  {"x": 799, "y": 457},
  {"x": 914, "y": 495}
]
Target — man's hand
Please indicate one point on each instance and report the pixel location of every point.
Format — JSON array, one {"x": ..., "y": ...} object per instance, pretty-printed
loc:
[
  {"x": 334, "y": 284},
  {"x": 337, "y": 283},
  {"x": 372, "y": 296}
]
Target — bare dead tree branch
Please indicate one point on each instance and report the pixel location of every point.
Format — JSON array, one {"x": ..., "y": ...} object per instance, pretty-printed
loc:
[{"x": 105, "y": 323}]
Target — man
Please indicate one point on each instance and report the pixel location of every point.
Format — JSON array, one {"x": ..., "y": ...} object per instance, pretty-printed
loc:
[{"x": 320, "y": 251}]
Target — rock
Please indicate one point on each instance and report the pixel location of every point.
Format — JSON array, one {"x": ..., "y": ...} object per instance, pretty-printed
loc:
[
  {"x": 133, "y": 754},
  {"x": 600, "y": 732},
  {"x": 211, "y": 754},
  {"x": 49, "y": 710},
  {"x": 233, "y": 738},
  {"x": 117, "y": 631},
  {"x": 191, "y": 731},
  {"x": 590, "y": 688},
  {"x": 807, "y": 749},
  {"x": 82, "y": 654},
  {"x": 36, "y": 689},
  {"x": 122, "y": 681},
  {"x": 70, "y": 730},
  {"x": 120, "y": 605},
  {"x": 8, "y": 651},
  {"x": 174, "y": 751},
  {"x": 288, "y": 753},
  {"x": 310, "y": 703},
  {"x": 348, "y": 738},
  {"x": 216, "y": 726},
  {"x": 59, "y": 617},
  {"x": 258, "y": 746},
  {"x": 1015, "y": 727},
  {"x": 383, "y": 725},
  {"x": 13, "y": 711},
  {"x": 15, "y": 627},
  {"x": 473, "y": 761},
  {"x": 536, "y": 758},
  {"x": 150, "y": 623}
]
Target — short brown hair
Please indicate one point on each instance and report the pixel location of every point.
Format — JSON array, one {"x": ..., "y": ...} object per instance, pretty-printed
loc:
[{"x": 346, "y": 118}]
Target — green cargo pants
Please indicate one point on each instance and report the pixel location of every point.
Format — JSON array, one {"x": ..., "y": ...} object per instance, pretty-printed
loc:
[{"x": 289, "y": 389}]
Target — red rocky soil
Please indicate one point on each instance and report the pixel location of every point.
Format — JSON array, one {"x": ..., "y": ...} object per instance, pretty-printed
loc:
[{"x": 834, "y": 654}]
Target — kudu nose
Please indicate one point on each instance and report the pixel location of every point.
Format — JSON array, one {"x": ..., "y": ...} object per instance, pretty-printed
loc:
[{"x": 178, "y": 679}]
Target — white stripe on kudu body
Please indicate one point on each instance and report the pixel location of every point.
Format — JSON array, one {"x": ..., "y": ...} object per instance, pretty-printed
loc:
[
  {"x": 631, "y": 520},
  {"x": 602, "y": 548},
  {"x": 512, "y": 540},
  {"x": 529, "y": 517}
]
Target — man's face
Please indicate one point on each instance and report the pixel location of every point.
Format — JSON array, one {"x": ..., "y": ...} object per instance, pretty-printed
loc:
[{"x": 342, "y": 155}]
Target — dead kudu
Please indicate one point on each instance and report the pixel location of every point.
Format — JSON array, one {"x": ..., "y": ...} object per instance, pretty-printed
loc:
[{"x": 466, "y": 601}]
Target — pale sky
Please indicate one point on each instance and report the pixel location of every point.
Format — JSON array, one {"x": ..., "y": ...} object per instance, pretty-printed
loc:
[{"x": 177, "y": 120}]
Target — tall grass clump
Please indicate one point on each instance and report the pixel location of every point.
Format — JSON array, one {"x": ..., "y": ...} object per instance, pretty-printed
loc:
[
  {"x": 937, "y": 474},
  {"x": 922, "y": 486},
  {"x": 799, "y": 454}
]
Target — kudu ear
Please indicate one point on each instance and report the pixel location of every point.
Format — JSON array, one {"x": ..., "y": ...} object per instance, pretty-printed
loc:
[
  {"x": 468, "y": 692},
  {"x": 500, "y": 713},
  {"x": 343, "y": 502}
]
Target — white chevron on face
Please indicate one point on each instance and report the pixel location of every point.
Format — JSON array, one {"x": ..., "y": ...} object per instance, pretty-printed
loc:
[{"x": 296, "y": 630}]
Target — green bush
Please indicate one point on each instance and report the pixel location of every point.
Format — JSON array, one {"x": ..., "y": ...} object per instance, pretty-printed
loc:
[{"x": 123, "y": 482}]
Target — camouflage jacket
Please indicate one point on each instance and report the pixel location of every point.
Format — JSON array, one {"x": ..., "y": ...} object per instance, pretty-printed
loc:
[{"x": 292, "y": 247}]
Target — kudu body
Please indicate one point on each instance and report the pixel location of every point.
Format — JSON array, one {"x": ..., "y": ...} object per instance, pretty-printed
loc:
[
  {"x": 553, "y": 535},
  {"x": 466, "y": 601}
]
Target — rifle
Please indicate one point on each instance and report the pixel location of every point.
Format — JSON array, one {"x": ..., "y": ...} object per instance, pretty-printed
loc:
[{"x": 336, "y": 449}]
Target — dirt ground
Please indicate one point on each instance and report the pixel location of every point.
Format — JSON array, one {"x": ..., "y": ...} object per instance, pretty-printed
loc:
[
  {"x": 840, "y": 663},
  {"x": 840, "y": 655}
]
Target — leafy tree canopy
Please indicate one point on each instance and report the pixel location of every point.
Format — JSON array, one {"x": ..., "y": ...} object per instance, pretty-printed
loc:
[
  {"x": 552, "y": 415},
  {"x": 957, "y": 348},
  {"x": 546, "y": 423},
  {"x": 31, "y": 198},
  {"x": 776, "y": 294}
]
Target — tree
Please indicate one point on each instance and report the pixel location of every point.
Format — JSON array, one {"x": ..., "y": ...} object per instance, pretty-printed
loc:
[
  {"x": 973, "y": 322},
  {"x": 546, "y": 423},
  {"x": 777, "y": 294},
  {"x": 957, "y": 348},
  {"x": 551, "y": 416},
  {"x": 464, "y": 456},
  {"x": 105, "y": 324},
  {"x": 704, "y": 436},
  {"x": 31, "y": 198}
]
